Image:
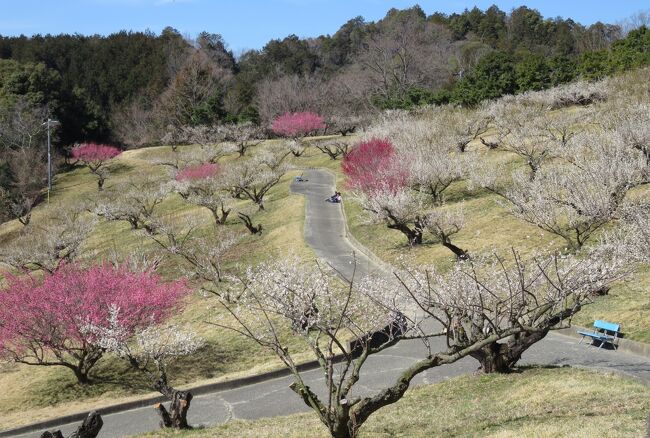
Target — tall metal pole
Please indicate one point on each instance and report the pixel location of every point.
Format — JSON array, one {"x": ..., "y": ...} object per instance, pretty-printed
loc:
[
  {"x": 49, "y": 159},
  {"x": 49, "y": 123}
]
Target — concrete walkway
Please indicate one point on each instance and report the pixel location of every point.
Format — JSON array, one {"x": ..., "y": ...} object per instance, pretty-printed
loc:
[{"x": 325, "y": 232}]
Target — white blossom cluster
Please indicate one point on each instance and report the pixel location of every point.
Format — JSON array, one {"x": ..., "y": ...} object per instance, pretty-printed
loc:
[
  {"x": 308, "y": 298},
  {"x": 492, "y": 294},
  {"x": 573, "y": 93},
  {"x": 156, "y": 343}
]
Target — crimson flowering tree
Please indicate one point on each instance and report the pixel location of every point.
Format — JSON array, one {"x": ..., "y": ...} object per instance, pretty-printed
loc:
[
  {"x": 45, "y": 322},
  {"x": 297, "y": 126},
  {"x": 372, "y": 166},
  {"x": 192, "y": 173},
  {"x": 95, "y": 156}
]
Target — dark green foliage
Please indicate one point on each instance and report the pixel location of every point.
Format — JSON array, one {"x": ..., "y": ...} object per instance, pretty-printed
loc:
[
  {"x": 414, "y": 96},
  {"x": 532, "y": 73},
  {"x": 632, "y": 51},
  {"x": 497, "y": 73},
  {"x": 563, "y": 69},
  {"x": 595, "y": 65},
  {"x": 492, "y": 77},
  {"x": 82, "y": 78}
]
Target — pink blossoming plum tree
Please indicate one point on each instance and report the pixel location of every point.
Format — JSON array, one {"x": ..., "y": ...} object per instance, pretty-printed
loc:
[
  {"x": 44, "y": 322},
  {"x": 371, "y": 166},
  {"x": 296, "y": 126},
  {"x": 95, "y": 156}
]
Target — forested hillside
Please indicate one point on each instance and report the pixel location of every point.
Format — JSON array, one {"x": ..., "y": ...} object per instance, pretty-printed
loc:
[{"x": 137, "y": 89}]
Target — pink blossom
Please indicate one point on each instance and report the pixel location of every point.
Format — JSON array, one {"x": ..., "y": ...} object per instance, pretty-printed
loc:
[
  {"x": 93, "y": 152},
  {"x": 372, "y": 166},
  {"x": 296, "y": 125},
  {"x": 49, "y": 315},
  {"x": 191, "y": 173}
]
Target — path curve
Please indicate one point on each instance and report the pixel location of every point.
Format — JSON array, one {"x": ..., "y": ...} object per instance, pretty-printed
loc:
[{"x": 325, "y": 232}]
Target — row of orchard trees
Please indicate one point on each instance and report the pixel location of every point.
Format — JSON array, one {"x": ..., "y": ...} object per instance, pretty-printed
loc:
[
  {"x": 573, "y": 181},
  {"x": 577, "y": 167},
  {"x": 64, "y": 312}
]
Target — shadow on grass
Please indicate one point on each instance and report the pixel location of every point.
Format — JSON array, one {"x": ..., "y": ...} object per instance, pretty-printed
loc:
[{"x": 112, "y": 377}]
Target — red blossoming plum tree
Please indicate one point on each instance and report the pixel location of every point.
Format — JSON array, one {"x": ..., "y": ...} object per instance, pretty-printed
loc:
[
  {"x": 44, "y": 322},
  {"x": 371, "y": 166},
  {"x": 95, "y": 156}
]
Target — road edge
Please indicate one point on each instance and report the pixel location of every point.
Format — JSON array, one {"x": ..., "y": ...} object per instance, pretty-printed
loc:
[{"x": 143, "y": 402}]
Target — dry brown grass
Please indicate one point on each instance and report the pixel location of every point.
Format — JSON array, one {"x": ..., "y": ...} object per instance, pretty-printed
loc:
[{"x": 537, "y": 402}]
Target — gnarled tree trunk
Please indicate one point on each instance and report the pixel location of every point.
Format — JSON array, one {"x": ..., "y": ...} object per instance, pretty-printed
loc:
[
  {"x": 89, "y": 428},
  {"x": 176, "y": 416},
  {"x": 502, "y": 357}
]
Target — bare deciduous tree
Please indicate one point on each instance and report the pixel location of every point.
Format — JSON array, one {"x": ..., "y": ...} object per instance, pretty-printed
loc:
[
  {"x": 401, "y": 210},
  {"x": 405, "y": 54},
  {"x": 332, "y": 148},
  {"x": 22, "y": 153},
  {"x": 202, "y": 255},
  {"x": 55, "y": 240},
  {"x": 209, "y": 191},
  {"x": 256, "y": 176},
  {"x": 134, "y": 201},
  {"x": 576, "y": 196},
  {"x": 243, "y": 135},
  {"x": 536, "y": 295}
]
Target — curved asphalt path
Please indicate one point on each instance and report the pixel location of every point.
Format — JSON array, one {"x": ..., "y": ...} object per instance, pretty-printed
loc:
[{"x": 325, "y": 233}]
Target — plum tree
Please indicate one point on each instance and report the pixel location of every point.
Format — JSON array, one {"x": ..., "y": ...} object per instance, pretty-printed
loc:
[
  {"x": 296, "y": 126},
  {"x": 43, "y": 322},
  {"x": 95, "y": 157}
]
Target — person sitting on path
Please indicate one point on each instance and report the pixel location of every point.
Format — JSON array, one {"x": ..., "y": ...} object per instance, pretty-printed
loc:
[{"x": 336, "y": 198}]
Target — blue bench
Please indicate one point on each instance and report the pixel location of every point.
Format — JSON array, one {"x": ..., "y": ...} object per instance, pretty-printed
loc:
[{"x": 604, "y": 332}]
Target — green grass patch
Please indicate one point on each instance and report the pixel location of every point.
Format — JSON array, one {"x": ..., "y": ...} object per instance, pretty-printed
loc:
[{"x": 537, "y": 402}]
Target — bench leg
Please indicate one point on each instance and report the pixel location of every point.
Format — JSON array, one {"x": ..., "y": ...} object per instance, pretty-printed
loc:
[{"x": 581, "y": 339}]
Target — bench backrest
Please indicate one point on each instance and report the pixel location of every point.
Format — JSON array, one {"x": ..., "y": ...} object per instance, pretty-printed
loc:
[{"x": 606, "y": 325}]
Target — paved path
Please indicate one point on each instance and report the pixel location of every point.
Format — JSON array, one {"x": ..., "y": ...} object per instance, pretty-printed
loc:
[{"x": 324, "y": 231}]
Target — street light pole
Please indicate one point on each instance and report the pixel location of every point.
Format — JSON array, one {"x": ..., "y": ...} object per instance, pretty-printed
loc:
[{"x": 49, "y": 157}]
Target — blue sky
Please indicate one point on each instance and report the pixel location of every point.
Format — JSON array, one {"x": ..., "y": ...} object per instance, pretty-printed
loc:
[{"x": 247, "y": 24}]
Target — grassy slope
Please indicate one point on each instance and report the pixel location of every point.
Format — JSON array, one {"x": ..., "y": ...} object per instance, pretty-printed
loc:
[
  {"x": 52, "y": 391},
  {"x": 536, "y": 402},
  {"x": 48, "y": 392}
]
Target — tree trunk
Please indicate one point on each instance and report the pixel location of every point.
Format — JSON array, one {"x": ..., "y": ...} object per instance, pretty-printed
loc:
[
  {"x": 414, "y": 236},
  {"x": 176, "y": 417},
  {"x": 25, "y": 219},
  {"x": 248, "y": 222},
  {"x": 502, "y": 357},
  {"x": 493, "y": 358},
  {"x": 460, "y": 253},
  {"x": 81, "y": 375},
  {"x": 220, "y": 220},
  {"x": 88, "y": 429},
  {"x": 344, "y": 430}
]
